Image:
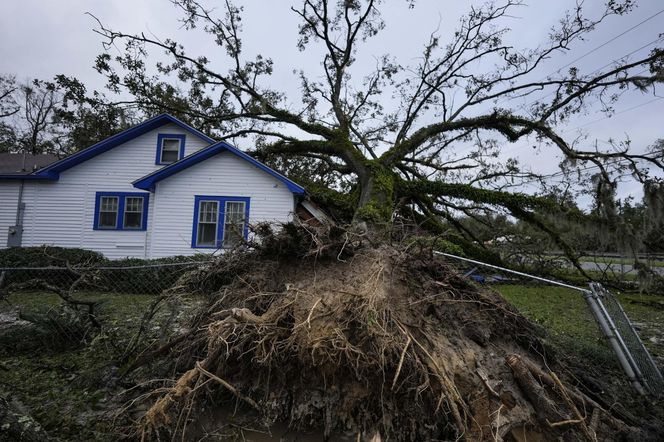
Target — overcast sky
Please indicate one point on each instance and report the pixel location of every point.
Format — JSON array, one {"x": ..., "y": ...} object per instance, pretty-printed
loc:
[{"x": 42, "y": 38}]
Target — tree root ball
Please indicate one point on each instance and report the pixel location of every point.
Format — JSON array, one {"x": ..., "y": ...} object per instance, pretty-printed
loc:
[{"x": 385, "y": 343}]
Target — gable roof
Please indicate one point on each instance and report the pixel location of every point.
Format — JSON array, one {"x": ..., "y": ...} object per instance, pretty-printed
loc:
[
  {"x": 53, "y": 171},
  {"x": 148, "y": 182}
]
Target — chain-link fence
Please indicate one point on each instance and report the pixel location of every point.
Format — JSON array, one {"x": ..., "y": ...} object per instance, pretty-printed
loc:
[
  {"x": 616, "y": 326},
  {"x": 587, "y": 322},
  {"x": 148, "y": 279}
]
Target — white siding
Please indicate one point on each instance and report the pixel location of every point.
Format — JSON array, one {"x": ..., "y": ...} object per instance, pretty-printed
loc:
[
  {"x": 62, "y": 212},
  {"x": 8, "y": 201},
  {"x": 221, "y": 175}
]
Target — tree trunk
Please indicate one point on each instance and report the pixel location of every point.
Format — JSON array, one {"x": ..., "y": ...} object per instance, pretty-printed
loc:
[{"x": 376, "y": 201}]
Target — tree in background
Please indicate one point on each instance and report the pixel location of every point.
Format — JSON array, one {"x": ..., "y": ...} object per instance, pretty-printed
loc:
[{"x": 56, "y": 116}]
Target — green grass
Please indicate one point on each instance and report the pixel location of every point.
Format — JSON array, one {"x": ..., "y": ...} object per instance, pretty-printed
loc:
[{"x": 570, "y": 325}]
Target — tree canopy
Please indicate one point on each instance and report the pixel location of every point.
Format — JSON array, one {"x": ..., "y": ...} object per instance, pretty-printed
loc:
[
  {"x": 56, "y": 116},
  {"x": 393, "y": 142}
]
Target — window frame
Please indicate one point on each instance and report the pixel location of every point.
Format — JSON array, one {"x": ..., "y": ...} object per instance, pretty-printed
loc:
[
  {"x": 227, "y": 223},
  {"x": 199, "y": 222},
  {"x": 160, "y": 144},
  {"x": 117, "y": 212},
  {"x": 126, "y": 210},
  {"x": 221, "y": 218},
  {"x": 120, "y": 217}
]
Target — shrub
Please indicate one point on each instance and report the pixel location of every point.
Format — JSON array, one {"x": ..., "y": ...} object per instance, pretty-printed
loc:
[
  {"x": 139, "y": 280},
  {"x": 47, "y": 256}
]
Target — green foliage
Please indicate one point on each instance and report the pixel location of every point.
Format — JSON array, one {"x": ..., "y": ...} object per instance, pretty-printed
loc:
[
  {"x": 341, "y": 204},
  {"x": 83, "y": 119},
  {"x": 46, "y": 256},
  {"x": 477, "y": 195},
  {"x": 71, "y": 390},
  {"x": 152, "y": 278},
  {"x": 378, "y": 209},
  {"x": 374, "y": 213},
  {"x": 436, "y": 243}
]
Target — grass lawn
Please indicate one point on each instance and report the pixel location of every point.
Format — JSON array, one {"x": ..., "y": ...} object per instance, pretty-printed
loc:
[{"x": 565, "y": 315}]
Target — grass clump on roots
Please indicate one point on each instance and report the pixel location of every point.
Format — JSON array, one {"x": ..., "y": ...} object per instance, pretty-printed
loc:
[{"x": 323, "y": 330}]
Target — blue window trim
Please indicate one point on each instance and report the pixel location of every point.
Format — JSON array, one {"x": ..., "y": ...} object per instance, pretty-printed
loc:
[
  {"x": 119, "y": 225},
  {"x": 160, "y": 142},
  {"x": 220, "y": 218}
]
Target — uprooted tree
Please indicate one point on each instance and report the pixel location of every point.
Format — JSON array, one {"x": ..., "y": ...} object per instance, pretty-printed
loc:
[
  {"x": 395, "y": 140},
  {"x": 386, "y": 340}
]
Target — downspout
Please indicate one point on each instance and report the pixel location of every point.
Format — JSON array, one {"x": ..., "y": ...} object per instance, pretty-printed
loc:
[{"x": 20, "y": 208}]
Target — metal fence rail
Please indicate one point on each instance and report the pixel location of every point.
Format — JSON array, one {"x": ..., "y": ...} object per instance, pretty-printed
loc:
[{"x": 632, "y": 355}]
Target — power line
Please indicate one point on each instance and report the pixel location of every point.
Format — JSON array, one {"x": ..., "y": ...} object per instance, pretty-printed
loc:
[
  {"x": 524, "y": 106},
  {"x": 561, "y": 173},
  {"x": 627, "y": 55},
  {"x": 609, "y": 41},
  {"x": 613, "y": 115},
  {"x": 514, "y": 149},
  {"x": 600, "y": 68}
]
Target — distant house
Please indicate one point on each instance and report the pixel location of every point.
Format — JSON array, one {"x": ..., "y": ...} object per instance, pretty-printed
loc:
[{"x": 159, "y": 189}]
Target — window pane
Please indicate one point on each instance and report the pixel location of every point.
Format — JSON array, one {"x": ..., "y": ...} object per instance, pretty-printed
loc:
[
  {"x": 133, "y": 220},
  {"x": 234, "y": 223},
  {"x": 109, "y": 203},
  {"x": 107, "y": 219},
  {"x": 134, "y": 204},
  {"x": 208, "y": 211},
  {"x": 108, "y": 212},
  {"x": 170, "y": 151},
  {"x": 207, "y": 234},
  {"x": 169, "y": 157}
]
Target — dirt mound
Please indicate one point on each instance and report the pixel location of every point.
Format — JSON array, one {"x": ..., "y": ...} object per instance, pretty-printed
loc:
[{"x": 368, "y": 342}]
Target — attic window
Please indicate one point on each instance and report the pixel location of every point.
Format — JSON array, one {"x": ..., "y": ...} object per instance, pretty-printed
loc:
[{"x": 170, "y": 148}]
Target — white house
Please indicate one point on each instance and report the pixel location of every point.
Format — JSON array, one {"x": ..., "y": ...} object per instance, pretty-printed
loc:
[{"x": 158, "y": 189}]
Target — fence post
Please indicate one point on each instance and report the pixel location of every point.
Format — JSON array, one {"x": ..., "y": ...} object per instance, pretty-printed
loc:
[{"x": 608, "y": 329}]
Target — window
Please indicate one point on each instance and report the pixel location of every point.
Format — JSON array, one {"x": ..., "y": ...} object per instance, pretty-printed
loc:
[
  {"x": 170, "y": 148},
  {"x": 233, "y": 223},
  {"x": 121, "y": 211},
  {"x": 219, "y": 221},
  {"x": 133, "y": 213},
  {"x": 108, "y": 212},
  {"x": 208, "y": 213}
]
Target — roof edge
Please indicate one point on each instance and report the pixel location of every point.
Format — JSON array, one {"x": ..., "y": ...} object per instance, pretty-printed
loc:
[
  {"x": 116, "y": 140},
  {"x": 148, "y": 181}
]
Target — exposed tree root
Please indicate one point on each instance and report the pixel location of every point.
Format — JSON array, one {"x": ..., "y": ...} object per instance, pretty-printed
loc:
[{"x": 388, "y": 344}]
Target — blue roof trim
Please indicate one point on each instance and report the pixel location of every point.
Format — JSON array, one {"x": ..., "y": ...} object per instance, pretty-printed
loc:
[
  {"x": 148, "y": 182},
  {"x": 53, "y": 170}
]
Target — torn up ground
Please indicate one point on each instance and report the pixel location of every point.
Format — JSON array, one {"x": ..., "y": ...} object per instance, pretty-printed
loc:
[{"x": 360, "y": 341}]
